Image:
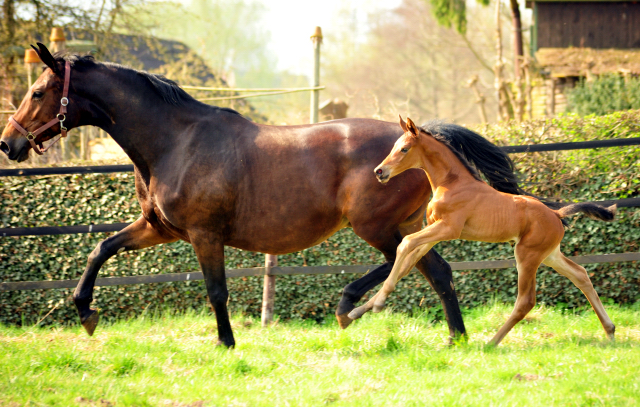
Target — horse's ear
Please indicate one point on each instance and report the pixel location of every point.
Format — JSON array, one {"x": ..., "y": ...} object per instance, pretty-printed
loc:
[
  {"x": 46, "y": 57},
  {"x": 403, "y": 124},
  {"x": 412, "y": 128}
]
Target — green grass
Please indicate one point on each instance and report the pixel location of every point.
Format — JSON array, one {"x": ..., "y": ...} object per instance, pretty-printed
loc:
[{"x": 555, "y": 358}]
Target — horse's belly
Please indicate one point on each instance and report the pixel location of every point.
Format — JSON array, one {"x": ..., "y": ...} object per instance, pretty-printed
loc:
[{"x": 281, "y": 235}]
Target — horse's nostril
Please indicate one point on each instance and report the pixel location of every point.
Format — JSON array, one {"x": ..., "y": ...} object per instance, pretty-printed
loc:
[
  {"x": 5, "y": 147},
  {"x": 379, "y": 171}
]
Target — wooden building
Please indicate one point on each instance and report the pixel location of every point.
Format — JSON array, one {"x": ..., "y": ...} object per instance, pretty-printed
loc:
[{"x": 571, "y": 40}]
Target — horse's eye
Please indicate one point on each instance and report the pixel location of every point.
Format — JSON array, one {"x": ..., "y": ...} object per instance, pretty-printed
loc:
[
  {"x": 37, "y": 95},
  {"x": 404, "y": 150}
]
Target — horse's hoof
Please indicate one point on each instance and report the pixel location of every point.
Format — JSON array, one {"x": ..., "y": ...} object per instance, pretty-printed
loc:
[
  {"x": 344, "y": 321},
  {"x": 89, "y": 323},
  {"x": 221, "y": 343}
]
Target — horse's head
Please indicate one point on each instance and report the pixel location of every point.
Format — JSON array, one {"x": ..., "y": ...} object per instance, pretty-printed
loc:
[
  {"x": 403, "y": 155},
  {"x": 42, "y": 113}
]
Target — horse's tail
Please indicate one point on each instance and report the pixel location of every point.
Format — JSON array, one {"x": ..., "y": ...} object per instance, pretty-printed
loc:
[
  {"x": 490, "y": 160},
  {"x": 592, "y": 210}
]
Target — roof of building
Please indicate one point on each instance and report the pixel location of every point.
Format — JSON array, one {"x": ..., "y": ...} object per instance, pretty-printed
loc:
[{"x": 574, "y": 61}]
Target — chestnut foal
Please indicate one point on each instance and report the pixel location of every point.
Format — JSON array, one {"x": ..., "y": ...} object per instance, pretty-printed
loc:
[{"x": 464, "y": 207}]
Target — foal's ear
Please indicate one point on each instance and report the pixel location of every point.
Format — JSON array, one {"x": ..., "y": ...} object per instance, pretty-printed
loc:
[
  {"x": 403, "y": 125},
  {"x": 413, "y": 129},
  {"x": 46, "y": 57}
]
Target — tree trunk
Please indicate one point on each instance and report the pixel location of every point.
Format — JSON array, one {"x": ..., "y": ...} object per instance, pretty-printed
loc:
[
  {"x": 8, "y": 34},
  {"x": 518, "y": 60},
  {"x": 501, "y": 96}
]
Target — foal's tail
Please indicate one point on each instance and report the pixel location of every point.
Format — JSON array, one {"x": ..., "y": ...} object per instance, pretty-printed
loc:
[{"x": 592, "y": 210}]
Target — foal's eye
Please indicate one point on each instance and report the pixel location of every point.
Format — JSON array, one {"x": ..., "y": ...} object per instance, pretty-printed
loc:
[
  {"x": 37, "y": 95},
  {"x": 404, "y": 150}
]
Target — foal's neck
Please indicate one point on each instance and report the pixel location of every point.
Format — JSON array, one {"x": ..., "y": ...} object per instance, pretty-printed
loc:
[{"x": 442, "y": 166}]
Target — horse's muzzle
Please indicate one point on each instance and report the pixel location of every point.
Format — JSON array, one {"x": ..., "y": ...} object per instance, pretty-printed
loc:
[
  {"x": 4, "y": 147},
  {"x": 16, "y": 153}
]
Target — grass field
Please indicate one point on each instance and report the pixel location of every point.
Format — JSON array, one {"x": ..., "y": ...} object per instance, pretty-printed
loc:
[{"x": 554, "y": 358}]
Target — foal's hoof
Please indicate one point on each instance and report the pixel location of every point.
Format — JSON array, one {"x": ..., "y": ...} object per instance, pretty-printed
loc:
[
  {"x": 344, "y": 321},
  {"x": 90, "y": 322},
  {"x": 358, "y": 312},
  {"x": 377, "y": 307}
]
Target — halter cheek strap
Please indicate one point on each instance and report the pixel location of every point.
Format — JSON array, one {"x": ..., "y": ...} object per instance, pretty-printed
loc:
[{"x": 60, "y": 118}]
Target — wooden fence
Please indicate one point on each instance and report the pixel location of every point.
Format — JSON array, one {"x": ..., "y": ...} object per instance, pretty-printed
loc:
[{"x": 271, "y": 269}]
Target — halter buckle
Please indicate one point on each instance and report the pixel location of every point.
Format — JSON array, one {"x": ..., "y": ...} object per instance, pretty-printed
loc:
[
  {"x": 64, "y": 117},
  {"x": 30, "y": 136},
  {"x": 64, "y": 101}
]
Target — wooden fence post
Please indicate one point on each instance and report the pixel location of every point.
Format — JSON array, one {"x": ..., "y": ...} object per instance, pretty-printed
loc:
[
  {"x": 316, "y": 39},
  {"x": 269, "y": 290}
]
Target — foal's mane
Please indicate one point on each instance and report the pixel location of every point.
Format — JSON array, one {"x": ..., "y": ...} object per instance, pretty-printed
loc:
[
  {"x": 477, "y": 154},
  {"x": 168, "y": 90}
]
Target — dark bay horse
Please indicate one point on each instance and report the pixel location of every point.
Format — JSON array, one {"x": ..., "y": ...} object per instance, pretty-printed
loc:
[{"x": 210, "y": 177}]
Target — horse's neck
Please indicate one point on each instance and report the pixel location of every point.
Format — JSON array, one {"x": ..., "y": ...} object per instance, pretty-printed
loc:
[
  {"x": 133, "y": 115},
  {"x": 441, "y": 165}
]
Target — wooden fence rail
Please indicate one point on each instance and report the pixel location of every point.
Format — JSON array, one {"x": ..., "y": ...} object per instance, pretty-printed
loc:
[{"x": 286, "y": 271}]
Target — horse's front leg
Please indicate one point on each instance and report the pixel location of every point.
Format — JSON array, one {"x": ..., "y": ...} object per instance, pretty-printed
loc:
[
  {"x": 209, "y": 249},
  {"x": 138, "y": 235},
  {"x": 410, "y": 251}
]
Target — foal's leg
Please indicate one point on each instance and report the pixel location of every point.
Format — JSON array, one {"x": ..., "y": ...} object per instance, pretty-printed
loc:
[
  {"x": 578, "y": 276},
  {"x": 528, "y": 260},
  {"x": 138, "y": 235},
  {"x": 410, "y": 251},
  {"x": 209, "y": 249}
]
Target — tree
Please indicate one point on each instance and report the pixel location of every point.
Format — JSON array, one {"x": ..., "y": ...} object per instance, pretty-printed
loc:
[
  {"x": 408, "y": 64},
  {"x": 453, "y": 13}
]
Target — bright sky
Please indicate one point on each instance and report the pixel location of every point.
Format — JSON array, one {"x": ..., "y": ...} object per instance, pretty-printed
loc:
[{"x": 292, "y": 22}]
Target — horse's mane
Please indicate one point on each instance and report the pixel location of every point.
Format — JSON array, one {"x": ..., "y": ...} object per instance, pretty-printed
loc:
[
  {"x": 168, "y": 90},
  {"x": 477, "y": 154}
]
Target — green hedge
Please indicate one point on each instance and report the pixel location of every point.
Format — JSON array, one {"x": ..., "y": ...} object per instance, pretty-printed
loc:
[
  {"x": 81, "y": 199},
  {"x": 606, "y": 94}
]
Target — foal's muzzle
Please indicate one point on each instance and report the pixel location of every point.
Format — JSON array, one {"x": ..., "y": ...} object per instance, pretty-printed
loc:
[{"x": 382, "y": 175}]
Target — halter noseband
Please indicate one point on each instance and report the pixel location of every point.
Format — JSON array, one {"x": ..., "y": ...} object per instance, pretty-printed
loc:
[{"x": 60, "y": 118}]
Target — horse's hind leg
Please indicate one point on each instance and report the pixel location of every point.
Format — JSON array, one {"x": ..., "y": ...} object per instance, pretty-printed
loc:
[
  {"x": 578, "y": 276},
  {"x": 138, "y": 235},
  {"x": 438, "y": 273},
  {"x": 354, "y": 291}
]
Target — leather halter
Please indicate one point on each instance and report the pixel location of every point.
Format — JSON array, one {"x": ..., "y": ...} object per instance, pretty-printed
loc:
[{"x": 60, "y": 118}]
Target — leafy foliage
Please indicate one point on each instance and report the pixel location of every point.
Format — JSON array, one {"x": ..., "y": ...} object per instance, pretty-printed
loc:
[
  {"x": 109, "y": 198},
  {"x": 450, "y": 13},
  {"x": 606, "y": 94}
]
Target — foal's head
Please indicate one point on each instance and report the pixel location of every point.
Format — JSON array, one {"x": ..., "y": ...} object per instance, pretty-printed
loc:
[
  {"x": 403, "y": 156},
  {"x": 40, "y": 105}
]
